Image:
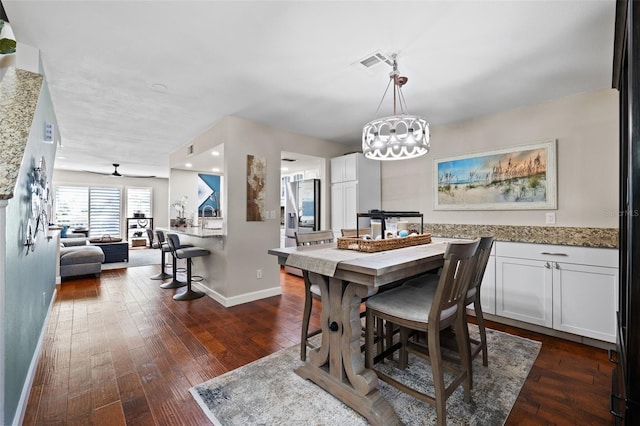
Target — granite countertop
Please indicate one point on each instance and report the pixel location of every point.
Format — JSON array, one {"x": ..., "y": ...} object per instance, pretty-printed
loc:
[
  {"x": 196, "y": 231},
  {"x": 558, "y": 235},
  {"x": 19, "y": 92}
]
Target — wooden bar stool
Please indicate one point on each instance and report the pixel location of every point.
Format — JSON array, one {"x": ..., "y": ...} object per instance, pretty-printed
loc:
[{"x": 187, "y": 253}]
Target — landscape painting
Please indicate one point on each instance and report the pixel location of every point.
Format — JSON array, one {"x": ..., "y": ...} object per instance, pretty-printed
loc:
[{"x": 514, "y": 178}]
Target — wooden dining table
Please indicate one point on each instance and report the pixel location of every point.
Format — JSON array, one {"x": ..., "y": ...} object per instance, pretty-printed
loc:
[{"x": 346, "y": 277}]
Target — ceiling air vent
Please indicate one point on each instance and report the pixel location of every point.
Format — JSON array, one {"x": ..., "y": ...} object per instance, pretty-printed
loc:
[
  {"x": 290, "y": 160},
  {"x": 189, "y": 149},
  {"x": 370, "y": 61}
]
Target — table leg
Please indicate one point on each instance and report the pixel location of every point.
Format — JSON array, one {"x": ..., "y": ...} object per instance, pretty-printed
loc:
[{"x": 343, "y": 374}]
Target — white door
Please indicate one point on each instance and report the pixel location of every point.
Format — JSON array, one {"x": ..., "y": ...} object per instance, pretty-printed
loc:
[{"x": 524, "y": 290}]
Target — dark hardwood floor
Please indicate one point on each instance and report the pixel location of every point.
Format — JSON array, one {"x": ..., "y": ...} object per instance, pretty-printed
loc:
[{"x": 120, "y": 350}]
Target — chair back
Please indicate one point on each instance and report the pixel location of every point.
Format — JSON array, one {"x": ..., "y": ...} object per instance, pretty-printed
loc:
[
  {"x": 174, "y": 243},
  {"x": 160, "y": 236},
  {"x": 315, "y": 237},
  {"x": 355, "y": 232},
  {"x": 484, "y": 250},
  {"x": 150, "y": 236},
  {"x": 459, "y": 265}
]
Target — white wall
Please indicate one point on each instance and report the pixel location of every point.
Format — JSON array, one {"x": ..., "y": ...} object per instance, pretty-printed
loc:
[
  {"x": 160, "y": 187},
  {"x": 586, "y": 129}
]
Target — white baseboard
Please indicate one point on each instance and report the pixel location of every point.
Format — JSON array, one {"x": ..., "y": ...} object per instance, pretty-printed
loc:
[
  {"x": 31, "y": 373},
  {"x": 227, "y": 302}
]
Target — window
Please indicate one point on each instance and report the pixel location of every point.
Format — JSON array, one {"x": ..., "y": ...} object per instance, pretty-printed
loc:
[
  {"x": 139, "y": 201},
  {"x": 104, "y": 212},
  {"x": 72, "y": 206},
  {"x": 94, "y": 207}
]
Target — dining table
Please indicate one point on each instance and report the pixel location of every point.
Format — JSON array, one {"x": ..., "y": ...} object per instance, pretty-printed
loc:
[{"x": 345, "y": 278}]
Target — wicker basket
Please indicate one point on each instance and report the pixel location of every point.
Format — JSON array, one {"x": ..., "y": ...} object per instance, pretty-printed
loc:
[{"x": 372, "y": 246}]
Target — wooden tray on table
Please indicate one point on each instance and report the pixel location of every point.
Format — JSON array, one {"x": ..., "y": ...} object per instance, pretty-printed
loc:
[{"x": 372, "y": 246}]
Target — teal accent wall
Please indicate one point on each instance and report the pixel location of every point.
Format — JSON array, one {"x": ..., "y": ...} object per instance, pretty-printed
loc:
[{"x": 29, "y": 275}]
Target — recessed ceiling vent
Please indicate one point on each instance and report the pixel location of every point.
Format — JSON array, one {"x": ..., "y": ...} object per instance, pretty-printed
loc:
[
  {"x": 290, "y": 160},
  {"x": 374, "y": 59},
  {"x": 189, "y": 150}
]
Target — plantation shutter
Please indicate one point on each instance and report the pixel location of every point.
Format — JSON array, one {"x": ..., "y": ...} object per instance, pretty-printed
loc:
[
  {"x": 72, "y": 206},
  {"x": 104, "y": 214}
]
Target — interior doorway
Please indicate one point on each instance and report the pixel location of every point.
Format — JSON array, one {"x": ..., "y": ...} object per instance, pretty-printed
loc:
[{"x": 295, "y": 167}]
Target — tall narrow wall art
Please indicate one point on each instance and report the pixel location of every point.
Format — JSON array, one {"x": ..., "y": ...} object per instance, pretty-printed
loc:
[{"x": 256, "y": 188}]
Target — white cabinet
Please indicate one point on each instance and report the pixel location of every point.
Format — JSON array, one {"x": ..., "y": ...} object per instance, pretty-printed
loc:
[
  {"x": 355, "y": 188},
  {"x": 585, "y": 300},
  {"x": 524, "y": 290},
  {"x": 567, "y": 288},
  {"x": 345, "y": 168}
]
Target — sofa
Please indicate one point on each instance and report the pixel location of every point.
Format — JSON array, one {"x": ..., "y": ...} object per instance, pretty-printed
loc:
[{"x": 77, "y": 257}]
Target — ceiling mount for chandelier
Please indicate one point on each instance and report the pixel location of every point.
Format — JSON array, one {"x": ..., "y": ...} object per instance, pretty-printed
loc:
[{"x": 397, "y": 137}]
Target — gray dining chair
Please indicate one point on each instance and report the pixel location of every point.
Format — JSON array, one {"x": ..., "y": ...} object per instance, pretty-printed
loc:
[
  {"x": 431, "y": 310},
  {"x": 472, "y": 298},
  {"x": 311, "y": 287}
]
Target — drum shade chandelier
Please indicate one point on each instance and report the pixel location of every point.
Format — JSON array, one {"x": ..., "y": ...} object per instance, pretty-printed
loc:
[{"x": 397, "y": 137}]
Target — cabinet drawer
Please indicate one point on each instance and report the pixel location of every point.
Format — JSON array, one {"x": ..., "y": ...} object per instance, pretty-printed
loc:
[{"x": 554, "y": 253}]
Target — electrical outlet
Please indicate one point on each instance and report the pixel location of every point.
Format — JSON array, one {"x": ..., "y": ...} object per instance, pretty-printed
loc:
[
  {"x": 550, "y": 218},
  {"x": 272, "y": 214},
  {"x": 258, "y": 273}
]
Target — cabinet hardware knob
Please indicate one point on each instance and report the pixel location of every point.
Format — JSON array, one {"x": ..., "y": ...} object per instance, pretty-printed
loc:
[
  {"x": 333, "y": 326},
  {"x": 557, "y": 265},
  {"x": 547, "y": 265}
]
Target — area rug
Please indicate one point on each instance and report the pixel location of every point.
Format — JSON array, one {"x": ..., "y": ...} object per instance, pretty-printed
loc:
[
  {"x": 137, "y": 257},
  {"x": 268, "y": 392}
]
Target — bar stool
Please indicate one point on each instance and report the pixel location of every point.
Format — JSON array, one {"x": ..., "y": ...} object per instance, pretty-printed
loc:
[
  {"x": 185, "y": 253},
  {"x": 174, "y": 283},
  {"x": 164, "y": 249}
]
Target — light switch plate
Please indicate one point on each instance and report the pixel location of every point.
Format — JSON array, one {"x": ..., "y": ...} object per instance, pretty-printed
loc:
[{"x": 550, "y": 218}]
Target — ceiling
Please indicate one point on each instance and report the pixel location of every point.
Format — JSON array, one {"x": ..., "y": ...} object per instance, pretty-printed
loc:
[{"x": 132, "y": 81}]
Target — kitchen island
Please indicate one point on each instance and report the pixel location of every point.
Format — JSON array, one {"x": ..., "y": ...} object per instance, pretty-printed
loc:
[{"x": 211, "y": 268}]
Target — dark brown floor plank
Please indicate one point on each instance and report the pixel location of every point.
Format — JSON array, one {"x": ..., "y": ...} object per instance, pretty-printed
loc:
[{"x": 119, "y": 350}]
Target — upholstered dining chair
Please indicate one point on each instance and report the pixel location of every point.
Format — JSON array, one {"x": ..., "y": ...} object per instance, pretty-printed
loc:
[
  {"x": 311, "y": 289},
  {"x": 431, "y": 310},
  {"x": 472, "y": 298}
]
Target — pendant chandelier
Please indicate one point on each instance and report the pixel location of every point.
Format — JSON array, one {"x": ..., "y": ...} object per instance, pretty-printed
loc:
[{"x": 397, "y": 137}]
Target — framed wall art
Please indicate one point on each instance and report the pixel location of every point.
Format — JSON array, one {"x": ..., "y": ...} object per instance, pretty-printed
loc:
[
  {"x": 256, "y": 189},
  {"x": 516, "y": 178}
]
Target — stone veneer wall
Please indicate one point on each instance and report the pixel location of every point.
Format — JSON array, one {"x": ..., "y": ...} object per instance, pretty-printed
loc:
[{"x": 569, "y": 236}]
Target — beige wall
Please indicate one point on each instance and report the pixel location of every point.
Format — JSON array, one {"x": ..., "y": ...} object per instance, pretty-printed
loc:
[
  {"x": 586, "y": 129},
  {"x": 247, "y": 243}
]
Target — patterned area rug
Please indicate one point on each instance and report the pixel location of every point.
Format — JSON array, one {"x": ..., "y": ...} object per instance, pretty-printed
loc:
[{"x": 268, "y": 392}]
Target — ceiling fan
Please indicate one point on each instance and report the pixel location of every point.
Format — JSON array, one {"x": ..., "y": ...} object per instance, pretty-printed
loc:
[{"x": 116, "y": 173}]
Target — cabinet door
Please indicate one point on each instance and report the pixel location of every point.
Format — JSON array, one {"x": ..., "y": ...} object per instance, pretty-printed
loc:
[
  {"x": 337, "y": 169},
  {"x": 344, "y": 168},
  {"x": 585, "y": 300},
  {"x": 337, "y": 208},
  {"x": 344, "y": 206},
  {"x": 488, "y": 287},
  {"x": 524, "y": 290}
]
